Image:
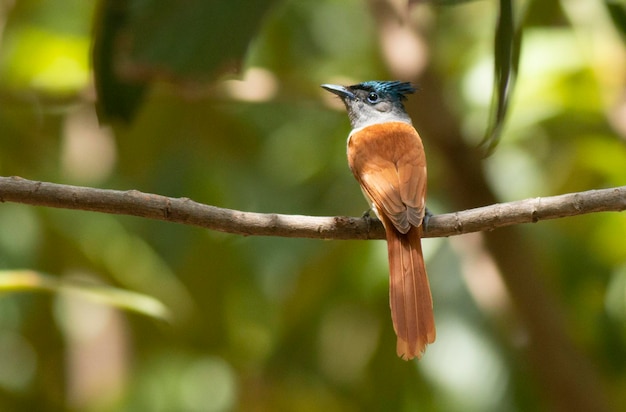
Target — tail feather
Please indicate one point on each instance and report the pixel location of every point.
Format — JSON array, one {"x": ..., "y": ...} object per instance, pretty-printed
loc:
[{"x": 409, "y": 293}]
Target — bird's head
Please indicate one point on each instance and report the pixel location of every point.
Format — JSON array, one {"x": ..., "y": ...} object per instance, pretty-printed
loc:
[{"x": 374, "y": 101}]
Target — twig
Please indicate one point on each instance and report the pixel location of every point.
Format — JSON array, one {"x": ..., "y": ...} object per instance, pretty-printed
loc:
[{"x": 186, "y": 211}]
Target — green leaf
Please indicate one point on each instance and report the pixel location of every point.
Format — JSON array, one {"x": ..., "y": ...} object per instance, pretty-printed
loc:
[
  {"x": 139, "y": 41},
  {"x": 29, "y": 280},
  {"x": 194, "y": 38},
  {"x": 507, "y": 48},
  {"x": 119, "y": 97},
  {"x": 617, "y": 11}
]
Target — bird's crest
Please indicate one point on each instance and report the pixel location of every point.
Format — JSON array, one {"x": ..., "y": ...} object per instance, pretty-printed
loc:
[{"x": 390, "y": 89}]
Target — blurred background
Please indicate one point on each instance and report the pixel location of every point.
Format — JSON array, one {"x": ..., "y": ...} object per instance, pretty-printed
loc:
[{"x": 220, "y": 102}]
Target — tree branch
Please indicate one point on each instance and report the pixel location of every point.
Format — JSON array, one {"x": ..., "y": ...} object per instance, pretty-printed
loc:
[{"x": 188, "y": 212}]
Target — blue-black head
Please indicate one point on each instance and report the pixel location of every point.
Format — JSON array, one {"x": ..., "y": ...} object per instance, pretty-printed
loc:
[
  {"x": 385, "y": 90},
  {"x": 374, "y": 101}
]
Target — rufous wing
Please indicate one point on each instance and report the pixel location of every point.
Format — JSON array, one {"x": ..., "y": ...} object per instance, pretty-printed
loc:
[{"x": 388, "y": 161}]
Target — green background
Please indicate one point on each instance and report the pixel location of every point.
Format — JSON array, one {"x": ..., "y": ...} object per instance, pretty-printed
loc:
[{"x": 219, "y": 101}]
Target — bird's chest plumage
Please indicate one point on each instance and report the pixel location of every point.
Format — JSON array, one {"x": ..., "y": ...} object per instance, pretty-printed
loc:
[{"x": 382, "y": 143}]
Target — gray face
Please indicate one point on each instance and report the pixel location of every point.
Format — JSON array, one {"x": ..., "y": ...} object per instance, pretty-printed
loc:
[{"x": 366, "y": 108}]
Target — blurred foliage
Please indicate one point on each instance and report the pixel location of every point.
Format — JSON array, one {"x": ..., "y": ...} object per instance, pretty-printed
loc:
[
  {"x": 223, "y": 106},
  {"x": 507, "y": 48},
  {"x": 140, "y": 40}
]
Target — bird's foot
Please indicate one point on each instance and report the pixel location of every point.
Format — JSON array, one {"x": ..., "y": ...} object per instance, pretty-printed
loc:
[
  {"x": 368, "y": 218},
  {"x": 426, "y": 218}
]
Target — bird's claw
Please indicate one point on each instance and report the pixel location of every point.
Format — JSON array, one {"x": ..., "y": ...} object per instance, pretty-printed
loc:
[
  {"x": 426, "y": 218},
  {"x": 368, "y": 218}
]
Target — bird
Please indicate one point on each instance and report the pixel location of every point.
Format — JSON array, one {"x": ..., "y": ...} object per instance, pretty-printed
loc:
[{"x": 386, "y": 156}]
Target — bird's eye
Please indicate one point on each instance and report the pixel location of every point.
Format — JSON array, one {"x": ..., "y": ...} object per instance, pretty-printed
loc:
[{"x": 372, "y": 97}]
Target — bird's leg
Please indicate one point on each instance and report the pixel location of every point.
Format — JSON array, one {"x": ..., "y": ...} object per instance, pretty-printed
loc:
[
  {"x": 426, "y": 218},
  {"x": 368, "y": 218}
]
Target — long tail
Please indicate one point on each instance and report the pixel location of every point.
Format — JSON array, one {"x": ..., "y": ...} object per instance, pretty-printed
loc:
[{"x": 409, "y": 293}]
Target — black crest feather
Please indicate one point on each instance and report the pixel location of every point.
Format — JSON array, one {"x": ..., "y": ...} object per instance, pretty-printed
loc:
[{"x": 393, "y": 89}]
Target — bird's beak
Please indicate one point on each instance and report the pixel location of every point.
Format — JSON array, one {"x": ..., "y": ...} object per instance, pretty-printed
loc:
[{"x": 340, "y": 91}]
